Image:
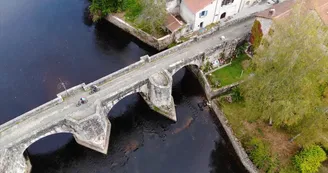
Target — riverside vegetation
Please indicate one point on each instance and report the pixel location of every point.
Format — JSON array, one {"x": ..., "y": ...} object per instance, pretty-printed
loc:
[
  {"x": 280, "y": 112},
  {"x": 146, "y": 15}
]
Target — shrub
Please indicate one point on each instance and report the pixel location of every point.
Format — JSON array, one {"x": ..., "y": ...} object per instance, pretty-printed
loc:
[
  {"x": 207, "y": 67},
  {"x": 257, "y": 34},
  {"x": 309, "y": 159},
  {"x": 259, "y": 153},
  {"x": 101, "y": 8},
  {"x": 133, "y": 9},
  {"x": 240, "y": 50},
  {"x": 236, "y": 95}
]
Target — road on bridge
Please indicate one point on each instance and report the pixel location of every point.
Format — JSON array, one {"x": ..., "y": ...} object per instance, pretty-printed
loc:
[{"x": 16, "y": 133}]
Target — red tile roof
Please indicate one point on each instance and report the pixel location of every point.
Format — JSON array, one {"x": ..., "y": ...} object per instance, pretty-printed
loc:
[
  {"x": 321, "y": 6},
  {"x": 284, "y": 8},
  {"x": 197, "y": 5},
  {"x": 172, "y": 23},
  {"x": 280, "y": 10}
]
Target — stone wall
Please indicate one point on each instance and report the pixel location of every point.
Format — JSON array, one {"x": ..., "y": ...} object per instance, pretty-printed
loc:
[
  {"x": 72, "y": 91},
  {"x": 152, "y": 93},
  {"x": 265, "y": 24},
  {"x": 173, "y": 49},
  {"x": 196, "y": 60},
  {"x": 112, "y": 99},
  {"x": 159, "y": 44},
  {"x": 118, "y": 73},
  {"x": 203, "y": 81},
  {"x": 225, "y": 25},
  {"x": 240, "y": 151},
  {"x": 30, "y": 113}
]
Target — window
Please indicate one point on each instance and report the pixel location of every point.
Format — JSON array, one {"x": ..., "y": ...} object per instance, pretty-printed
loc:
[
  {"x": 223, "y": 15},
  {"x": 226, "y": 2},
  {"x": 203, "y": 14}
]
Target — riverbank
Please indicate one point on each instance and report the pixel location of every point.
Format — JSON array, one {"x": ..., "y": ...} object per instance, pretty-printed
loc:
[
  {"x": 180, "y": 32},
  {"x": 211, "y": 95},
  {"x": 259, "y": 146}
]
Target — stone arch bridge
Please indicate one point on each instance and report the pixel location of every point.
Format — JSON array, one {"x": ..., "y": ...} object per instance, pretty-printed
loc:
[{"x": 151, "y": 77}]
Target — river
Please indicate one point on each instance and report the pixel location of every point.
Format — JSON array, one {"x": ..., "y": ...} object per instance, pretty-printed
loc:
[{"x": 45, "y": 41}]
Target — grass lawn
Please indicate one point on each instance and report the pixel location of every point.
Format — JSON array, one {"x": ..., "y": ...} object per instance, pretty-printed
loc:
[{"x": 232, "y": 73}]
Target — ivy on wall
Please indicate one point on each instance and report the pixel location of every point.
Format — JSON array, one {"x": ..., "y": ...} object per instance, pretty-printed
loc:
[{"x": 256, "y": 35}]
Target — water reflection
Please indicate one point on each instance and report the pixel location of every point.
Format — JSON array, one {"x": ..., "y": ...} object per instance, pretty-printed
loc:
[{"x": 87, "y": 19}]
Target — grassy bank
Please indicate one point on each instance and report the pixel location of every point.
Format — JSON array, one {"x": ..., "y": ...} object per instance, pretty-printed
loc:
[
  {"x": 142, "y": 14},
  {"x": 236, "y": 71},
  {"x": 268, "y": 147}
]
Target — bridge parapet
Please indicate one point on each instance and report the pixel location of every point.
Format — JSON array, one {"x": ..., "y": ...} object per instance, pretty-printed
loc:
[
  {"x": 16, "y": 121},
  {"x": 116, "y": 74},
  {"x": 151, "y": 77}
]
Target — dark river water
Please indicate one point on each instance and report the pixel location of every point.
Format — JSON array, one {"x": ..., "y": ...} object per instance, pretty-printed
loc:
[{"x": 42, "y": 41}]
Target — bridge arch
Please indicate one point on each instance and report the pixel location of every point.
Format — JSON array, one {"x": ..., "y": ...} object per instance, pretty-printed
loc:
[
  {"x": 59, "y": 128},
  {"x": 122, "y": 105},
  {"x": 110, "y": 103},
  {"x": 198, "y": 61}
]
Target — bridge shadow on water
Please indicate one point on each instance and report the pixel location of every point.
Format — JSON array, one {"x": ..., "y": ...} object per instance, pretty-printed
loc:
[{"x": 143, "y": 141}]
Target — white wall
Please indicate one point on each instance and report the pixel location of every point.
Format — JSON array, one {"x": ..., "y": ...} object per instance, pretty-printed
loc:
[
  {"x": 248, "y": 3},
  {"x": 229, "y": 9},
  {"x": 186, "y": 14},
  {"x": 208, "y": 19}
]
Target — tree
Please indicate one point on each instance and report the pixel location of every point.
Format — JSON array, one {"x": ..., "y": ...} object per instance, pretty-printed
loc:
[
  {"x": 101, "y": 8},
  {"x": 289, "y": 71},
  {"x": 309, "y": 160},
  {"x": 152, "y": 17},
  {"x": 257, "y": 34}
]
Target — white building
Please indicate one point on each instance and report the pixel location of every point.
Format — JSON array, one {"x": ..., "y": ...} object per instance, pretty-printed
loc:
[{"x": 200, "y": 13}]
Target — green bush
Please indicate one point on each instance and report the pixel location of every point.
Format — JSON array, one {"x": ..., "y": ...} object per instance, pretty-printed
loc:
[
  {"x": 207, "y": 67},
  {"x": 236, "y": 95},
  {"x": 259, "y": 153},
  {"x": 101, "y": 8},
  {"x": 133, "y": 9},
  {"x": 309, "y": 159},
  {"x": 240, "y": 50},
  {"x": 172, "y": 44}
]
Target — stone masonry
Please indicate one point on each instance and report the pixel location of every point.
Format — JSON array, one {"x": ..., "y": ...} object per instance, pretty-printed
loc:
[{"x": 151, "y": 77}]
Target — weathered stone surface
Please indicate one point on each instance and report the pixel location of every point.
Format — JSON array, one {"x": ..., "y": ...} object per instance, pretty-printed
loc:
[
  {"x": 93, "y": 132},
  {"x": 151, "y": 77},
  {"x": 159, "y": 94},
  {"x": 158, "y": 43},
  {"x": 241, "y": 153},
  {"x": 11, "y": 161}
]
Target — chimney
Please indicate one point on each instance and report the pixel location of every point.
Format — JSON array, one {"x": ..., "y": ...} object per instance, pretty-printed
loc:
[{"x": 271, "y": 12}]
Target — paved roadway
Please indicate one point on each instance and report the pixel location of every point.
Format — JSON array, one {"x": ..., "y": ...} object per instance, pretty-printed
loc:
[{"x": 16, "y": 133}]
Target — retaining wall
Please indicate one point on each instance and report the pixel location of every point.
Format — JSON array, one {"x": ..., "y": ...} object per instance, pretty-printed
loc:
[
  {"x": 159, "y": 44},
  {"x": 234, "y": 141}
]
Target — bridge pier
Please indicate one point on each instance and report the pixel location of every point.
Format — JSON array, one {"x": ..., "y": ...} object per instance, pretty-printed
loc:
[
  {"x": 12, "y": 161},
  {"x": 159, "y": 96},
  {"x": 93, "y": 132}
]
